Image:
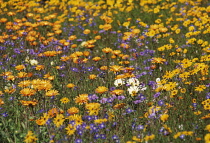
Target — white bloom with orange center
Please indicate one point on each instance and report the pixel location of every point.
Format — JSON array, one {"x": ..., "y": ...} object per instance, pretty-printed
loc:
[
  {"x": 133, "y": 90},
  {"x": 133, "y": 81},
  {"x": 119, "y": 82}
]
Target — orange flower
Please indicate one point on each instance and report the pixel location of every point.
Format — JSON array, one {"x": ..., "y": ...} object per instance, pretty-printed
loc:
[
  {"x": 39, "y": 67},
  {"x": 53, "y": 112},
  {"x": 27, "y": 92},
  {"x": 101, "y": 89},
  {"x": 97, "y": 37},
  {"x": 96, "y": 59},
  {"x": 1, "y": 102},
  {"x": 27, "y": 103},
  {"x": 103, "y": 68},
  {"x": 86, "y": 31},
  {"x": 22, "y": 74},
  {"x": 70, "y": 85},
  {"x": 118, "y": 106},
  {"x": 20, "y": 67},
  {"x": 116, "y": 68},
  {"x": 117, "y": 91},
  {"x": 51, "y": 93},
  {"x": 82, "y": 98},
  {"x": 73, "y": 110},
  {"x": 92, "y": 76},
  {"x": 107, "y": 50}
]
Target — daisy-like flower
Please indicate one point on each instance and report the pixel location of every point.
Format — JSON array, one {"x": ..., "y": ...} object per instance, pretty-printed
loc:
[
  {"x": 133, "y": 90},
  {"x": 58, "y": 120},
  {"x": 30, "y": 137},
  {"x": 70, "y": 129},
  {"x": 133, "y": 82},
  {"x": 73, "y": 110},
  {"x": 27, "y": 92},
  {"x": 101, "y": 89},
  {"x": 33, "y": 62},
  {"x": 119, "y": 82},
  {"x": 64, "y": 100},
  {"x": 117, "y": 91},
  {"x": 70, "y": 85},
  {"x": 51, "y": 93},
  {"x": 82, "y": 98}
]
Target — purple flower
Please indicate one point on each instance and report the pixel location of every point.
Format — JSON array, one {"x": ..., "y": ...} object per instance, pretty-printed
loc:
[
  {"x": 102, "y": 136},
  {"x": 78, "y": 141},
  {"x": 137, "y": 101},
  {"x": 160, "y": 102},
  {"x": 103, "y": 100},
  {"x": 139, "y": 127},
  {"x": 115, "y": 137},
  {"x": 121, "y": 97},
  {"x": 92, "y": 97},
  {"x": 156, "y": 95},
  {"x": 4, "y": 114}
]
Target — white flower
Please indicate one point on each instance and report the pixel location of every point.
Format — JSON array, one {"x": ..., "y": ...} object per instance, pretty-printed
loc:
[
  {"x": 33, "y": 62},
  {"x": 133, "y": 82},
  {"x": 119, "y": 82},
  {"x": 52, "y": 63},
  {"x": 133, "y": 90},
  {"x": 27, "y": 59},
  {"x": 84, "y": 44}
]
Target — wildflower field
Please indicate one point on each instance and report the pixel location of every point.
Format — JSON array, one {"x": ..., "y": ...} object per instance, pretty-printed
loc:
[{"x": 99, "y": 71}]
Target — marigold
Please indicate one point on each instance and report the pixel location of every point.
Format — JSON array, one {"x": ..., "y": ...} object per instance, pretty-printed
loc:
[
  {"x": 101, "y": 89},
  {"x": 117, "y": 91},
  {"x": 73, "y": 110},
  {"x": 70, "y": 85},
  {"x": 27, "y": 92},
  {"x": 20, "y": 67},
  {"x": 51, "y": 93},
  {"x": 81, "y": 99}
]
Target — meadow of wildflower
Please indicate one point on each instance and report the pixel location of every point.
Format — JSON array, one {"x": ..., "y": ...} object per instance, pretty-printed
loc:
[{"x": 98, "y": 71}]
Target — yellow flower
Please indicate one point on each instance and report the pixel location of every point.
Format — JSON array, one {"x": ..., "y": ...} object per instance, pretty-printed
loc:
[
  {"x": 116, "y": 68},
  {"x": 58, "y": 120},
  {"x": 70, "y": 129},
  {"x": 99, "y": 121},
  {"x": 39, "y": 67},
  {"x": 43, "y": 119},
  {"x": 149, "y": 137},
  {"x": 164, "y": 117},
  {"x": 136, "y": 139},
  {"x": 200, "y": 88},
  {"x": 30, "y": 137},
  {"x": 101, "y": 89},
  {"x": 77, "y": 118},
  {"x": 86, "y": 31},
  {"x": 207, "y": 128},
  {"x": 207, "y": 138},
  {"x": 64, "y": 100},
  {"x": 197, "y": 113},
  {"x": 158, "y": 60}
]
